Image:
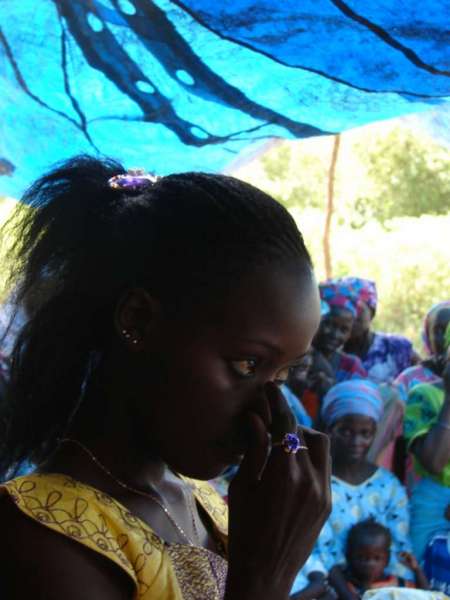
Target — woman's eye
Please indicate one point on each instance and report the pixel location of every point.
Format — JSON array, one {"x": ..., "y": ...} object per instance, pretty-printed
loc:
[
  {"x": 282, "y": 376},
  {"x": 245, "y": 367},
  {"x": 346, "y": 432}
]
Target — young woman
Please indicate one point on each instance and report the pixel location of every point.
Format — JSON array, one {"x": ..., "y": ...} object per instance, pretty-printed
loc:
[
  {"x": 360, "y": 489},
  {"x": 173, "y": 309},
  {"x": 383, "y": 355},
  {"x": 335, "y": 329}
]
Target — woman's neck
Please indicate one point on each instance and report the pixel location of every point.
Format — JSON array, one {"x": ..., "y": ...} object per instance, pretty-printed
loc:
[
  {"x": 353, "y": 472},
  {"x": 106, "y": 429},
  {"x": 360, "y": 345}
]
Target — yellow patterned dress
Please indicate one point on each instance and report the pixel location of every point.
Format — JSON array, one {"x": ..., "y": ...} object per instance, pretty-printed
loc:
[{"x": 159, "y": 570}]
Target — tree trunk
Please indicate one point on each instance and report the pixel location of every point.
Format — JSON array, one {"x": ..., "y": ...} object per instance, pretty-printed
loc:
[{"x": 330, "y": 208}]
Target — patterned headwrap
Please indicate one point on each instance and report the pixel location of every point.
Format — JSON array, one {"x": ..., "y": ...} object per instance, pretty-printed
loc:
[
  {"x": 427, "y": 336},
  {"x": 353, "y": 397},
  {"x": 338, "y": 295},
  {"x": 363, "y": 290}
]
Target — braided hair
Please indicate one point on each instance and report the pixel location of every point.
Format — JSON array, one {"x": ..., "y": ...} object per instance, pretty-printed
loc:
[{"x": 80, "y": 244}]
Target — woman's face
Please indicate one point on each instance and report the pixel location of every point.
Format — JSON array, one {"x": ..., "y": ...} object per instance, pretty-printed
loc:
[
  {"x": 438, "y": 332},
  {"x": 335, "y": 329},
  {"x": 201, "y": 375},
  {"x": 362, "y": 322},
  {"x": 351, "y": 438}
]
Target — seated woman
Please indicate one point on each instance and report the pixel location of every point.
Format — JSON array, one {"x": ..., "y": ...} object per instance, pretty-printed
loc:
[
  {"x": 383, "y": 355},
  {"x": 430, "y": 369},
  {"x": 427, "y": 432},
  {"x": 360, "y": 490},
  {"x": 175, "y": 308}
]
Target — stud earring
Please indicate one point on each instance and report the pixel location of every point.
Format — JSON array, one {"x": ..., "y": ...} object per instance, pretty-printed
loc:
[{"x": 127, "y": 335}]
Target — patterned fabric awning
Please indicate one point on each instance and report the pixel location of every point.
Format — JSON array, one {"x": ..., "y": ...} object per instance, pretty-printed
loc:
[{"x": 173, "y": 86}]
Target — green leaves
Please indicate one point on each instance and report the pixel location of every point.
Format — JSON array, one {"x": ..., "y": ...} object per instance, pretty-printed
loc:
[{"x": 409, "y": 176}]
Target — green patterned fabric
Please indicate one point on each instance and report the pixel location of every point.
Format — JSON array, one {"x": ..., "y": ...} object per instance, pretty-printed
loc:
[{"x": 422, "y": 410}]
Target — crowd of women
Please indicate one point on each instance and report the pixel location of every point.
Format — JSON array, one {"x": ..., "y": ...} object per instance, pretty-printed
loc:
[
  {"x": 387, "y": 412},
  {"x": 381, "y": 405},
  {"x": 164, "y": 331}
]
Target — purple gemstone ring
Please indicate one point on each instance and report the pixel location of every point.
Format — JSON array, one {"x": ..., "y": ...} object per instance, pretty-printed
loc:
[
  {"x": 291, "y": 443},
  {"x": 134, "y": 180}
]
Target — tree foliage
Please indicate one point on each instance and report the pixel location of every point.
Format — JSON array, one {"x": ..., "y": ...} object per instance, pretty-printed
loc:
[
  {"x": 401, "y": 173},
  {"x": 408, "y": 176},
  {"x": 298, "y": 178}
]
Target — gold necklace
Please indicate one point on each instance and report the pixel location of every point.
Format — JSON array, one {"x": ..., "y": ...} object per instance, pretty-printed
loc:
[{"x": 127, "y": 487}]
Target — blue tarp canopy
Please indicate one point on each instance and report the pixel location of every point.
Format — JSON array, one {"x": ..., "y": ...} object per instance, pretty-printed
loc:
[{"x": 174, "y": 86}]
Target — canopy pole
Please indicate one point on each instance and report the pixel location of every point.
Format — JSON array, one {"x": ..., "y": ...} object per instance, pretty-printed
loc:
[{"x": 330, "y": 207}]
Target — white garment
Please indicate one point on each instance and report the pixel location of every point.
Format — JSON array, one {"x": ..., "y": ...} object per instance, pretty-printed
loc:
[{"x": 395, "y": 593}]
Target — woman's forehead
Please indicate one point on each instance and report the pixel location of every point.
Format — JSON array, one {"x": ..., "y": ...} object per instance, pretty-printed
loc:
[
  {"x": 355, "y": 420},
  {"x": 270, "y": 306}
]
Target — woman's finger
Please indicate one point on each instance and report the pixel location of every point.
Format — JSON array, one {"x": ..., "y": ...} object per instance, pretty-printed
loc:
[
  {"x": 318, "y": 446},
  {"x": 255, "y": 457},
  {"x": 319, "y": 453},
  {"x": 283, "y": 419}
]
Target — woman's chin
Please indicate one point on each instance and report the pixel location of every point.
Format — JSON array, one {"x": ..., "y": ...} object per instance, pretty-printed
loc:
[{"x": 205, "y": 472}]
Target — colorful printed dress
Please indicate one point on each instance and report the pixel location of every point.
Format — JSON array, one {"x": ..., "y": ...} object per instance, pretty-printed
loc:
[
  {"x": 387, "y": 357},
  {"x": 89, "y": 517}
]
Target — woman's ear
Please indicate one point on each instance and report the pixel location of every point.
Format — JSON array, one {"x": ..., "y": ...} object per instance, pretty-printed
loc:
[{"x": 136, "y": 317}]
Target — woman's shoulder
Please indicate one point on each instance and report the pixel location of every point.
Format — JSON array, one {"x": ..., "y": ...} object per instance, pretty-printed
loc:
[
  {"x": 392, "y": 341},
  {"x": 37, "y": 560},
  {"x": 72, "y": 514},
  {"x": 416, "y": 372},
  {"x": 388, "y": 481}
]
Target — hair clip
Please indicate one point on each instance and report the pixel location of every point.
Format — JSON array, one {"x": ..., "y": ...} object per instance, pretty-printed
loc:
[{"x": 134, "y": 180}]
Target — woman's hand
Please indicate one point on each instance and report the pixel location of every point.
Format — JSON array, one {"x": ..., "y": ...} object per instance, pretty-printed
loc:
[{"x": 278, "y": 505}]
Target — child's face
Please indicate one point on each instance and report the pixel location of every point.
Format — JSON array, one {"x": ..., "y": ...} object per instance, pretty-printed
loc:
[{"x": 369, "y": 559}]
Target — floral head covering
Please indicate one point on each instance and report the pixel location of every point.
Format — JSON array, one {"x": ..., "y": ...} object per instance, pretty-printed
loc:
[
  {"x": 363, "y": 290},
  {"x": 337, "y": 295},
  {"x": 428, "y": 326},
  {"x": 353, "y": 397}
]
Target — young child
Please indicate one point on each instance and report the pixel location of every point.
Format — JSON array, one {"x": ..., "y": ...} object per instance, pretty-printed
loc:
[{"x": 368, "y": 553}]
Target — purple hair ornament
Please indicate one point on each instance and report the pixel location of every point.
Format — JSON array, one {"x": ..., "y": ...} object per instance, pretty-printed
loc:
[{"x": 134, "y": 180}]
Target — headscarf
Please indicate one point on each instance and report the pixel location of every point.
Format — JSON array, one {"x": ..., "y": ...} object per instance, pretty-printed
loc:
[
  {"x": 363, "y": 290},
  {"x": 428, "y": 326},
  {"x": 353, "y": 397},
  {"x": 337, "y": 295}
]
